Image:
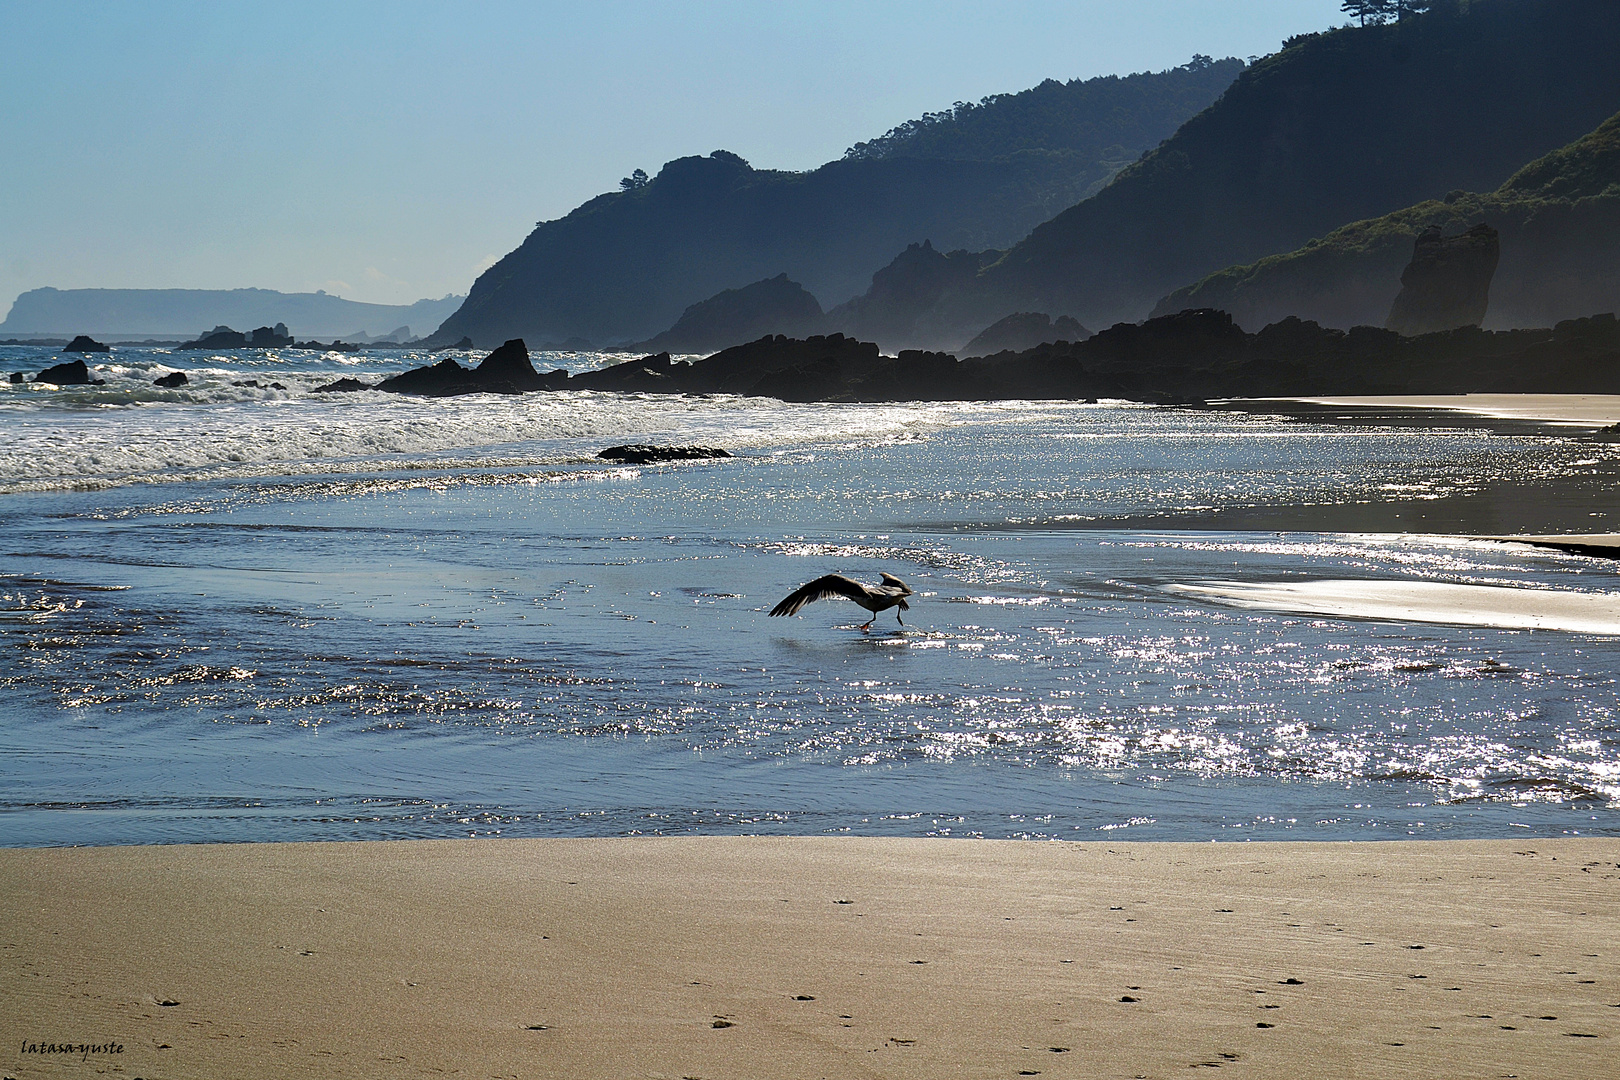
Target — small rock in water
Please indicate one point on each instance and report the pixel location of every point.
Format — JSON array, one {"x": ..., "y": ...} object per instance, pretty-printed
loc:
[
  {"x": 16, "y": 376},
  {"x": 171, "y": 380},
  {"x": 643, "y": 454},
  {"x": 84, "y": 343},
  {"x": 72, "y": 373},
  {"x": 342, "y": 386}
]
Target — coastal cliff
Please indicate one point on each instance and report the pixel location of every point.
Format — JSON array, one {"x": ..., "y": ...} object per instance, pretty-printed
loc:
[
  {"x": 1448, "y": 282},
  {"x": 1558, "y": 220}
]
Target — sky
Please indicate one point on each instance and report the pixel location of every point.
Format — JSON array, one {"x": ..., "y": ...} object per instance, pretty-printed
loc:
[{"x": 387, "y": 152}]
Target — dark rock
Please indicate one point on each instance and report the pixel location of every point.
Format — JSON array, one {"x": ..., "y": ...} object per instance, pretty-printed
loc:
[
  {"x": 773, "y": 306},
  {"x": 171, "y": 380},
  {"x": 342, "y": 386},
  {"x": 220, "y": 337},
  {"x": 1024, "y": 330},
  {"x": 643, "y": 454},
  {"x": 508, "y": 365},
  {"x": 1448, "y": 282},
  {"x": 811, "y": 369},
  {"x": 266, "y": 337},
  {"x": 85, "y": 344},
  {"x": 254, "y": 384},
  {"x": 16, "y": 376},
  {"x": 462, "y": 345},
  {"x": 336, "y": 346},
  {"x": 505, "y": 371},
  {"x": 72, "y": 373}
]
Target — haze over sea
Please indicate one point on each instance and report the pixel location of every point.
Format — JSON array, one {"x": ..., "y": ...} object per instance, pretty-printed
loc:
[{"x": 233, "y": 613}]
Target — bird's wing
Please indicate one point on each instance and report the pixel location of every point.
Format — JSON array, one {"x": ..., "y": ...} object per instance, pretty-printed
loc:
[
  {"x": 890, "y": 579},
  {"x": 821, "y": 589}
]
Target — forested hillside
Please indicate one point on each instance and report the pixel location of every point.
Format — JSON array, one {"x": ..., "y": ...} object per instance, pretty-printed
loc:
[
  {"x": 626, "y": 264},
  {"x": 1339, "y": 126},
  {"x": 1559, "y": 220}
]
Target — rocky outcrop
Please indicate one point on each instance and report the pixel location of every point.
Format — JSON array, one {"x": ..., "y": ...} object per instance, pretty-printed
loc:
[
  {"x": 220, "y": 337},
  {"x": 463, "y": 345},
  {"x": 85, "y": 344},
  {"x": 171, "y": 380},
  {"x": 1190, "y": 356},
  {"x": 1447, "y": 285},
  {"x": 773, "y": 306},
  {"x": 223, "y": 337},
  {"x": 777, "y": 366},
  {"x": 1024, "y": 330},
  {"x": 72, "y": 373},
  {"x": 1186, "y": 357},
  {"x": 343, "y": 386},
  {"x": 646, "y": 454},
  {"x": 270, "y": 337},
  {"x": 505, "y": 371}
]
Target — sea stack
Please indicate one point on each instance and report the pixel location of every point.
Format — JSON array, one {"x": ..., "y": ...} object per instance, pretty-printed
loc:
[
  {"x": 86, "y": 344},
  {"x": 72, "y": 373},
  {"x": 1448, "y": 282}
]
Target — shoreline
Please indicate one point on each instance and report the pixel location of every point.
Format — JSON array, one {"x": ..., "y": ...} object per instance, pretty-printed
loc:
[
  {"x": 742, "y": 957},
  {"x": 1573, "y": 410}
]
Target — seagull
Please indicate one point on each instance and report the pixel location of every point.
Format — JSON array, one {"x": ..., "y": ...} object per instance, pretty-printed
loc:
[{"x": 874, "y": 598}]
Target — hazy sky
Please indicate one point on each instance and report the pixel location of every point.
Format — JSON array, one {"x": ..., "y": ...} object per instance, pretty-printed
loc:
[{"x": 391, "y": 151}]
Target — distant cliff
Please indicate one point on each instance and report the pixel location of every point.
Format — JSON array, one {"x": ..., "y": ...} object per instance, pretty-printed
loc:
[
  {"x": 1338, "y": 126},
  {"x": 183, "y": 313},
  {"x": 773, "y": 306},
  {"x": 1447, "y": 285},
  {"x": 1559, "y": 223},
  {"x": 625, "y": 265}
]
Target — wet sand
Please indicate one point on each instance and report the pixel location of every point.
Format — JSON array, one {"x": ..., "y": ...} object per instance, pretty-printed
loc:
[
  {"x": 849, "y": 957},
  {"x": 1579, "y": 410}
]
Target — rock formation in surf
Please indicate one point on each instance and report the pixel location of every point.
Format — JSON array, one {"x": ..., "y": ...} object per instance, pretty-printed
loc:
[
  {"x": 72, "y": 373},
  {"x": 647, "y": 454},
  {"x": 85, "y": 344},
  {"x": 507, "y": 370}
]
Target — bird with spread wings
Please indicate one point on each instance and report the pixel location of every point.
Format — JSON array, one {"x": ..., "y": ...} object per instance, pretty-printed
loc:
[{"x": 874, "y": 598}]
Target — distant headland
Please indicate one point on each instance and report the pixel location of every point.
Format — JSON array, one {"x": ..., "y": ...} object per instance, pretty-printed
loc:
[{"x": 175, "y": 314}]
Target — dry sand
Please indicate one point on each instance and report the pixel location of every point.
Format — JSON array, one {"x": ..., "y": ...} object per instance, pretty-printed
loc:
[{"x": 754, "y": 958}]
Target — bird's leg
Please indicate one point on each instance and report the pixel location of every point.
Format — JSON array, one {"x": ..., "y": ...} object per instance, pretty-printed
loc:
[
  {"x": 898, "y": 619},
  {"x": 867, "y": 626}
]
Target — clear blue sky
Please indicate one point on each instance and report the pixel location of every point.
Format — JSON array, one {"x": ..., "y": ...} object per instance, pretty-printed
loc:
[{"x": 391, "y": 151}]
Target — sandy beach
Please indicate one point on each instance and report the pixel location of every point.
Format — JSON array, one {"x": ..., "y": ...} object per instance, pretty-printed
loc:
[{"x": 845, "y": 957}]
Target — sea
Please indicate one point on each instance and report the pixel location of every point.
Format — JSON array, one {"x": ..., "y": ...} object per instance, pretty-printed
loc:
[{"x": 239, "y": 611}]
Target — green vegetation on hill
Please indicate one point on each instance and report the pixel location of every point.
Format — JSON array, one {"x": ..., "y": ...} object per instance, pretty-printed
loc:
[
  {"x": 1559, "y": 219},
  {"x": 626, "y": 264},
  {"x": 1094, "y": 120},
  {"x": 1339, "y": 126}
]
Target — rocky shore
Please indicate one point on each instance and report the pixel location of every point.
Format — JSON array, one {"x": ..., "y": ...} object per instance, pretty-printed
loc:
[{"x": 1190, "y": 356}]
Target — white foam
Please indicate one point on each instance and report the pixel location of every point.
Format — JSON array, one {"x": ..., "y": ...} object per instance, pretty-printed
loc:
[
  {"x": 210, "y": 430},
  {"x": 1423, "y": 601}
]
